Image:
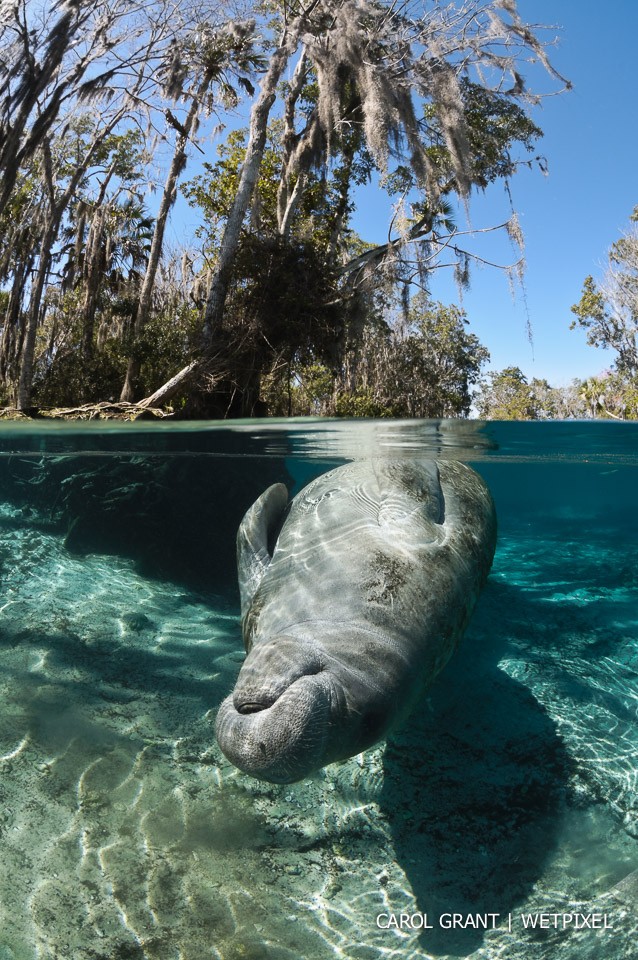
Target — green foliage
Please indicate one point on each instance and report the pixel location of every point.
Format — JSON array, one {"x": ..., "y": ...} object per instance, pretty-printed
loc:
[
  {"x": 68, "y": 378},
  {"x": 169, "y": 339},
  {"x": 302, "y": 329},
  {"x": 315, "y": 387},
  {"x": 495, "y": 125},
  {"x": 608, "y": 311},
  {"x": 214, "y": 190},
  {"x": 507, "y": 395},
  {"x": 362, "y": 403},
  {"x": 283, "y": 311},
  {"x": 610, "y": 395},
  {"x": 425, "y": 370},
  {"x": 287, "y": 306},
  {"x": 318, "y": 210},
  {"x": 443, "y": 360},
  {"x": 72, "y": 380},
  {"x": 306, "y": 391},
  {"x": 591, "y": 314}
]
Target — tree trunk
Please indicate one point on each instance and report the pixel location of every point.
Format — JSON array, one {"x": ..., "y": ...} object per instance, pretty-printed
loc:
[
  {"x": 170, "y": 388},
  {"x": 285, "y": 225},
  {"x": 248, "y": 179},
  {"x": 94, "y": 267},
  {"x": 157, "y": 243},
  {"x": 28, "y": 347},
  {"x": 48, "y": 239},
  {"x": 342, "y": 204},
  {"x": 245, "y": 190},
  {"x": 95, "y": 264},
  {"x": 17, "y": 147},
  {"x": 290, "y": 140},
  {"x": 11, "y": 331}
]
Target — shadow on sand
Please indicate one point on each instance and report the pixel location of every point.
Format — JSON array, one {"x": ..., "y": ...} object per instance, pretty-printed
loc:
[{"x": 474, "y": 787}]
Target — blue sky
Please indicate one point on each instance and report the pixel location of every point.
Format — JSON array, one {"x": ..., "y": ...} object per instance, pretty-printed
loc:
[{"x": 571, "y": 217}]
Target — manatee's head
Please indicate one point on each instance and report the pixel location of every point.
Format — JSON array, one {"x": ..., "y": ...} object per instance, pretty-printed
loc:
[{"x": 284, "y": 717}]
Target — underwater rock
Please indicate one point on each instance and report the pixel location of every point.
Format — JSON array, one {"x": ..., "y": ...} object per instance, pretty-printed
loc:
[
  {"x": 137, "y": 622},
  {"x": 353, "y": 599}
]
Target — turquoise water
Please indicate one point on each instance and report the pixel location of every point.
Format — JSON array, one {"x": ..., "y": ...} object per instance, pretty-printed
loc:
[{"x": 510, "y": 798}]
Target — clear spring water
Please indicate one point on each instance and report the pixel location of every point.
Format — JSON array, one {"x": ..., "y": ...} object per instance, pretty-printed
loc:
[{"x": 509, "y": 799}]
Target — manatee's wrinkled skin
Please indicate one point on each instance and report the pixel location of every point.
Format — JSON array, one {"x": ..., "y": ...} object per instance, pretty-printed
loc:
[{"x": 351, "y": 603}]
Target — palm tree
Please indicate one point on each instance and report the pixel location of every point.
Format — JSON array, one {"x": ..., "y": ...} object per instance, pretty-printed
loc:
[{"x": 216, "y": 53}]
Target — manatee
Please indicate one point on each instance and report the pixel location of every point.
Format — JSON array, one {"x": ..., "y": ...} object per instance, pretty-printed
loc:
[{"x": 353, "y": 599}]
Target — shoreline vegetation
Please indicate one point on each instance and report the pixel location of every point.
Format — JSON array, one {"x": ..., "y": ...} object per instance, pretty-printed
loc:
[{"x": 272, "y": 305}]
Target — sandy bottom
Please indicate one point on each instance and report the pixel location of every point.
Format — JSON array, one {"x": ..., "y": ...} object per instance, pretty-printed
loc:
[{"x": 126, "y": 834}]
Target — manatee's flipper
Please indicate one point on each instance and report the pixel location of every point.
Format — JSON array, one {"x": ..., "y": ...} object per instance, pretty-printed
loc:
[{"x": 256, "y": 540}]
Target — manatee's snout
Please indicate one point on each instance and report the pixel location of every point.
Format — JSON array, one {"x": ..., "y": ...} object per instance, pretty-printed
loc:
[
  {"x": 275, "y": 725},
  {"x": 270, "y": 669}
]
